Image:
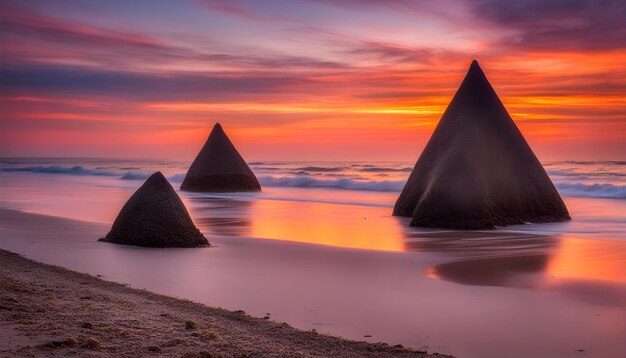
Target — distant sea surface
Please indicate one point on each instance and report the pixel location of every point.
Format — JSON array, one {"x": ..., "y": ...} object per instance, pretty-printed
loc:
[
  {"x": 319, "y": 249},
  {"x": 600, "y": 179}
]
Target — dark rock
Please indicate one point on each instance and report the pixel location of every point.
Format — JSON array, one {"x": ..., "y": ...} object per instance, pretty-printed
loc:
[
  {"x": 154, "y": 349},
  {"x": 477, "y": 171},
  {"x": 189, "y": 325},
  {"x": 219, "y": 167},
  {"x": 87, "y": 325},
  {"x": 154, "y": 216}
]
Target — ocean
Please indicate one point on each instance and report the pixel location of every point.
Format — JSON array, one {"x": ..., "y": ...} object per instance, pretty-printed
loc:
[
  {"x": 599, "y": 179},
  {"x": 319, "y": 249}
]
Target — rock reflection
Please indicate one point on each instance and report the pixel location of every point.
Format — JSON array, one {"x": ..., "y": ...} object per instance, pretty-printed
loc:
[
  {"x": 485, "y": 258},
  {"x": 222, "y": 216},
  {"x": 478, "y": 244},
  {"x": 507, "y": 271}
]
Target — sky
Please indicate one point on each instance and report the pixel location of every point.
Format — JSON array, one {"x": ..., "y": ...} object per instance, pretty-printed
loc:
[{"x": 304, "y": 79}]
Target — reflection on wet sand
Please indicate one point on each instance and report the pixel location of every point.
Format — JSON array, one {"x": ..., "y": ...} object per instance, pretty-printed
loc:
[
  {"x": 589, "y": 259},
  {"x": 477, "y": 243},
  {"x": 517, "y": 257},
  {"x": 509, "y": 271},
  {"x": 309, "y": 222},
  {"x": 485, "y": 258},
  {"x": 221, "y": 216},
  {"x": 317, "y": 223},
  {"x": 587, "y": 269}
]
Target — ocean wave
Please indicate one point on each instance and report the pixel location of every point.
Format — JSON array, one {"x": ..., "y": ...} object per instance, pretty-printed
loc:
[
  {"x": 342, "y": 183},
  {"x": 177, "y": 178},
  {"x": 269, "y": 168},
  {"x": 585, "y": 175},
  {"x": 135, "y": 176},
  {"x": 576, "y": 185},
  {"x": 79, "y": 170},
  {"x": 381, "y": 169},
  {"x": 596, "y": 162},
  {"x": 57, "y": 169},
  {"x": 321, "y": 169},
  {"x": 591, "y": 190}
]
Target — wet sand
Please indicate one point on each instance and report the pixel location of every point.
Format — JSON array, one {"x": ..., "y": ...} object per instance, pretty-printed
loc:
[
  {"x": 567, "y": 300},
  {"x": 50, "y": 311}
]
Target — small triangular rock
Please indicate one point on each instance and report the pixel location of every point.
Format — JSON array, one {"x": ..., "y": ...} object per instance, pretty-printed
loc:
[
  {"x": 154, "y": 216},
  {"x": 477, "y": 171},
  {"x": 219, "y": 167}
]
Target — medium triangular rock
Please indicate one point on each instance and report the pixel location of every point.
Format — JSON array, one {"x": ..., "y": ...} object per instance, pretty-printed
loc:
[
  {"x": 219, "y": 167},
  {"x": 477, "y": 171},
  {"x": 154, "y": 216}
]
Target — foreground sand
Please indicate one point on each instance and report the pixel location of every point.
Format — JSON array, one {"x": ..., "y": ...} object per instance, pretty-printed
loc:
[{"x": 50, "y": 311}]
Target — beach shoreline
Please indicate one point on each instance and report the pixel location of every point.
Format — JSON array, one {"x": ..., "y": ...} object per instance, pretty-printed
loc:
[{"x": 47, "y": 310}]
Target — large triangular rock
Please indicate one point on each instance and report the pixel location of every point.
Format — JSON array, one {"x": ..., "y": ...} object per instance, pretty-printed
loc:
[
  {"x": 154, "y": 216},
  {"x": 477, "y": 171},
  {"x": 219, "y": 167}
]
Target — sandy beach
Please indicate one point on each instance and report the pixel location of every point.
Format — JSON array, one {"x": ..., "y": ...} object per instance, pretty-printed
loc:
[{"x": 50, "y": 311}]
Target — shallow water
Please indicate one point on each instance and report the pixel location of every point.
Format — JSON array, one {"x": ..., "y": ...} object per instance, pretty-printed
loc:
[{"x": 334, "y": 260}]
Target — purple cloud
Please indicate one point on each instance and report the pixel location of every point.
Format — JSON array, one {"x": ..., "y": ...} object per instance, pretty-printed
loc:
[{"x": 558, "y": 25}]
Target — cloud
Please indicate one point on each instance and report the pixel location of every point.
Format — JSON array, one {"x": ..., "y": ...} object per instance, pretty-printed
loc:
[
  {"x": 395, "y": 53},
  {"x": 141, "y": 86},
  {"x": 571, "y": 25},
  {"x": 229, "y": 7},
  {"x": 391, "y": 52},
  {"x": 23, "y": 21},
  {"x": 30, "y": 35},
  {"x": 400, "y": 5}
]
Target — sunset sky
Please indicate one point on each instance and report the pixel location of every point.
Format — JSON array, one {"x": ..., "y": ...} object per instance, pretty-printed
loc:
[{"x": 304, "y": 79}]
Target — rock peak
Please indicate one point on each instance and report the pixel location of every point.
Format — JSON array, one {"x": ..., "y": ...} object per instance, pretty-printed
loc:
[
  {"x": 475, "y": 73},
  {"x": 157, "y": 177},
  {"x": 154, "y": 216},
  {"x": 219, "y": 167}
]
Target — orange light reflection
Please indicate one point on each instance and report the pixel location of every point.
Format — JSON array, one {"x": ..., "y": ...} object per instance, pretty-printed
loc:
[
  {"x": 316, "y": 223},
  {"x": 589, "y": 259}
]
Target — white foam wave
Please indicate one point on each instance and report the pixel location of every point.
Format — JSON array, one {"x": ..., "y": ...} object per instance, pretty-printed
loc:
[
  {"x": 591, "y": 190},
  {"x": 135, "y": 176},
  {"x": 177, "y": 178},
  {"x": 572, "y": 186},
  {"x": 57, "y": 169},
  {"x": 301, "y": 181},
  {"x": 383, "y": 169}
]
